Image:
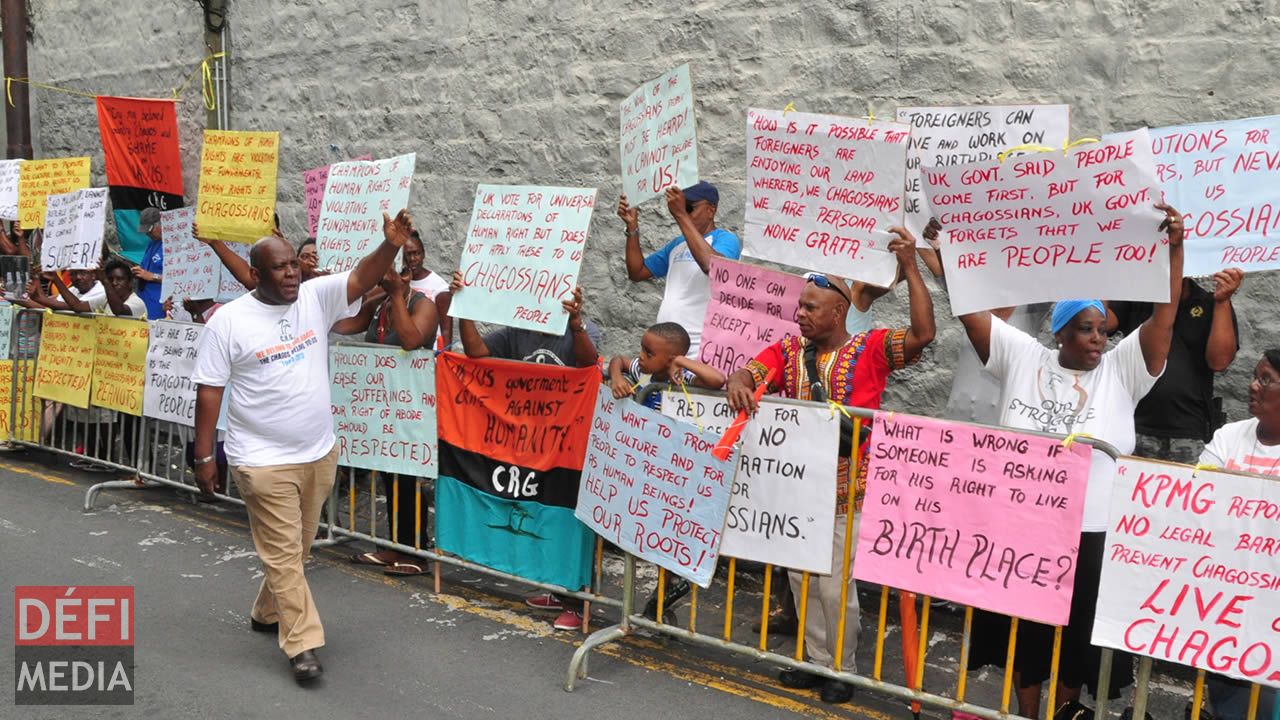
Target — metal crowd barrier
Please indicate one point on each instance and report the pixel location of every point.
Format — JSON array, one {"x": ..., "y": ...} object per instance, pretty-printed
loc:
[
  {"x": 154, "y": 452},
  {"x": 907, "y": 688}
]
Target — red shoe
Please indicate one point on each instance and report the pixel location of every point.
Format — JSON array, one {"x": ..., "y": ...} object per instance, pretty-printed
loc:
[
  {"x": 568, "y": 620},
  {"x": 546, "y": 601}
]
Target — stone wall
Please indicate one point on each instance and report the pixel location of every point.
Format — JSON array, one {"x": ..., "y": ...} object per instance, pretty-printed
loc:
[{"x": 528, "y": 92}]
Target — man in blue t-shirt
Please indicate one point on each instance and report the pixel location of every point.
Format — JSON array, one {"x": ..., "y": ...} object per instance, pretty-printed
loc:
[
  {"x": 148, "y": 273},
  {"x": 686, "y": 260}
]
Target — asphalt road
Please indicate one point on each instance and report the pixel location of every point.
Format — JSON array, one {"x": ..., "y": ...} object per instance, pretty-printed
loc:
[{"x": 395, "y": 648}]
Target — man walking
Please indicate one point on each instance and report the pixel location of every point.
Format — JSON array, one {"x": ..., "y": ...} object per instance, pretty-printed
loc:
[{"x": 268, "y": 349}]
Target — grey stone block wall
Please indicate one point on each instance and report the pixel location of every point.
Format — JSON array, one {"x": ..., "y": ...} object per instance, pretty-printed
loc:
[{"x": 528, "y": 92}]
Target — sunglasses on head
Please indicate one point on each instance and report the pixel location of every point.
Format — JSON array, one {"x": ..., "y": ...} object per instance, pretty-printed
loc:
[{"x": 821, "y": 281}]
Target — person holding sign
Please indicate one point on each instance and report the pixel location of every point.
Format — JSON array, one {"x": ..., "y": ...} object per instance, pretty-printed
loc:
[
  {"x": 1080, "y": 389},
  {"x": 686, "y": 259},
  {"x": 663, "y": 358},
  {"x": 149, "y": 273},
  {"x": 91, "y": 291},
  {"x": 429, "y": 284},
  {"x": 1179, "y": 414},
  {"x": 267, "y": 349},
  {"x": 828, "y": 364},
  {"x": 1248, "y": 446}
]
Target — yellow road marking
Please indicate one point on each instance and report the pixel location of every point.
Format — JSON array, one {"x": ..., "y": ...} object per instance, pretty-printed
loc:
[{"x": 23, "y": 470}]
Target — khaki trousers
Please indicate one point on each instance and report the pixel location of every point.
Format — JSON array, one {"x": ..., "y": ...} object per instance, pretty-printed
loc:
[
  {"x": 284, "y": 504},
  {"x": 822, "y": 618}
]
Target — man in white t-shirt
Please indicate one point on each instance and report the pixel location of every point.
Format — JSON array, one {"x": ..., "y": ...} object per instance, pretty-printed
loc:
[
  {"x": 267, "y": 349},
  {"x": 686, "y": 259}
]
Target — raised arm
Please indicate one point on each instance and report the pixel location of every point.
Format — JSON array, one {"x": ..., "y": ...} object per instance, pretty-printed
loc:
[
  {"x": 703, "y": 374},
  {"x": 1156, "y": 334},
  {"x": 584, "y": 349},
  {"x": 472, "y": 343},
  {"x": 636, "y": 269},
  {"x": 68, "y": 301},
  {"x": 416, "y": 328},
  {"x": 445, "y": 322},
  {"x": 698, "y": 246},
  {"x": 372, "y": 267},
  {"x": 1222, "y": 346},
  {"x": 922, "y": 329},
  {"x": 932, "y": 255},
  {"x": 978, "y": 327},
  {"x": 359, "y": 322},
  {"x": 237, "y": 265}
]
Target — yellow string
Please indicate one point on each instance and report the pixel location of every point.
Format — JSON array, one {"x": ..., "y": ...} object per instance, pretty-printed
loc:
[
  {"x": 871, "y": 114},
  {"x": 1200, "y": 467},
  {"x": 837, "y": 406},
  {"x": 1068, "y": 145},
  {"x": 1068, "y": 440},
  {"x": 689, "y": 399},
  {"x": 203, "y": 68},
  {"x": 1023, "y": 148},
  {"x": 791, "y": 107}
]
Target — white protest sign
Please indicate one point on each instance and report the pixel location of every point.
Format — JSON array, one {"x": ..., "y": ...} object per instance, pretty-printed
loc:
[
  {"x": 974, "y": 133},
  {"x": 1191, "y": 569},
  {"x": 783, "y": 507},
  {"x": 7, "y": 311},
  {"x": 651, "y": 486},
  {"x": 228, "y": 287},
  {"x": 73, "y": 227},
  {"x": 823, "y": 191},
  {"x": 659, "y": 143},
  {"x": 522, "y": 255},
  {"x": 191, "y": 268},
  {"x": 356, "y": 194},
  {"x": 1053, "y": 226},
  {"x": 9, "y": 173},
  {"x": 169, "y": 393},
  {"x": 1220, "y": 176}
]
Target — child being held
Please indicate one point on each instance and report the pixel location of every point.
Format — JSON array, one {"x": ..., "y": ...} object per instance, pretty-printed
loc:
[{"x": 662, "y": 359}]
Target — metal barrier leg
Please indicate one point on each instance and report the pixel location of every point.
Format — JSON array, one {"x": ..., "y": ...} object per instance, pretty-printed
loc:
[
  {"x": 1104, "y": 682},
  {"x": 578, "y": 665},
  {"x": 91, "y": 495},
  {"x": 1141, "y": 689}
]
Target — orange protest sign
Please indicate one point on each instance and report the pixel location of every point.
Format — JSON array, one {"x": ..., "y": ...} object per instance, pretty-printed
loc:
[
  {"x": 237, "y": 185},
  {"x": 140, "y": 142},
  {"x": 120, "y": 364},
  {"x": 41, "y": 178}
]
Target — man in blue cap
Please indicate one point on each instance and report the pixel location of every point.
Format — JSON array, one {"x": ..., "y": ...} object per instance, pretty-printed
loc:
[
  {"x": 148, "y": 273},
  {"x": 686, "y": 259}
]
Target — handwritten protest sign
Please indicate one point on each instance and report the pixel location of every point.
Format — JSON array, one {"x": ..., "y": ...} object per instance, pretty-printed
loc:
[
  {"x": 1052, "y": 227},
  {"x": 171, "y": 360},
  {"x": 823, "y": 191},
  {"x": 356, "y": 194},
  {"x": 651, "y": 486},
  {"x": 7, "y": 311},
  {"x": 1220, "y": 176},
  {"x": 973, "y": 133},
  {"x": 191, "y": 268},
  {"x": 522, "y": 255},
  {"x": 25, "y": 428},
  {"x": 980, "y": 517},
  {"x": 384, "y": 409},
  {"x": 41, "y": 178},
  {"x": 73, "y": 228},
  {"x": 140, "y": 143},
  {"x": 229, "y": 288},
  {"x": 1189, "y": 574},
  {"x": 659, "y": 142},
  {"x": 237, "y": 185},
  {"x": 120, "y": 364},
  {"x": 10, "y": 171},
  {"x": 750, "y": 308},
  {"x": 782, "y": 510},
  {"x": 65, "y": 365},
  {"x": 313, "y": 182}
]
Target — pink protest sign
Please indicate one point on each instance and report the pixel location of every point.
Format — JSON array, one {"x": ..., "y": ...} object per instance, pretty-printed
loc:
[
  {"x": 750, "y": 309},
  {"x": 982, "y": 517},
  {"x": 313, "y": 181}
]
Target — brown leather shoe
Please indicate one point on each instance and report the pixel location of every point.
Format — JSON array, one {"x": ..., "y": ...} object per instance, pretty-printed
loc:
[{"x": 306, "y": 666}]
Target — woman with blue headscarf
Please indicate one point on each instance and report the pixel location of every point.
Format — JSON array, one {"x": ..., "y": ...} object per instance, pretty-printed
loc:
[{"x": 1079, "y": 388}]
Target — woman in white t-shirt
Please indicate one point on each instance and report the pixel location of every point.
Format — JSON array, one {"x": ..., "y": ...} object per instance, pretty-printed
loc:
[
  {"x": 429, "y": 284},
  {"x": 1251, "y": 445},
  {"x": 1080, "y": 388}
]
